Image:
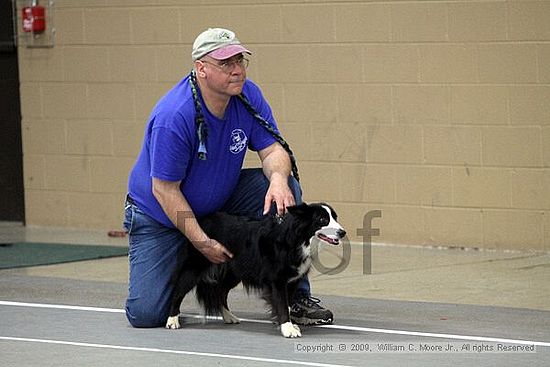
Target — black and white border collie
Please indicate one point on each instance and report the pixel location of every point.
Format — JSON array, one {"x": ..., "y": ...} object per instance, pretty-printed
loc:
[{"x": 270, "y": 256}]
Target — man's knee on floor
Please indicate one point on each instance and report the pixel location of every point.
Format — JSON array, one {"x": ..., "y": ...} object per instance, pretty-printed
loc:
[{"x": 145, "y": 317}]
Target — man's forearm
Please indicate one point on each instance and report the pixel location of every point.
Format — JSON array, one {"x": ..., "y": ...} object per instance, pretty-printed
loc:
[
  {"x": 276, "y": 167},
  {"x": 178, "y": 210},
  {"x": 276, "y": 163}
]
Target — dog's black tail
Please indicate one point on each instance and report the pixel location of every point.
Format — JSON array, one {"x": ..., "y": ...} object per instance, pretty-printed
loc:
[
  {"x": 213, "y": 288},
  {"x": 211, "y": 297}
]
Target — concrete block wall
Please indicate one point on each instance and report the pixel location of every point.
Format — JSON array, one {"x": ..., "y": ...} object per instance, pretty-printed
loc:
[{"x": 435, "y": 112}]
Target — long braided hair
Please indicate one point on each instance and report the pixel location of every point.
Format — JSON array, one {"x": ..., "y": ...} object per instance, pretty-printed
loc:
[{"x": 202, "y": 131}]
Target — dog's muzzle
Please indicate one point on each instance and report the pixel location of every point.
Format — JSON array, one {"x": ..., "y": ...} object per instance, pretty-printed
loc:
[{"x": 332, "y": 236}]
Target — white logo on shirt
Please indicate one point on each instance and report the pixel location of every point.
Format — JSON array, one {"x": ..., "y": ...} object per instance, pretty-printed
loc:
[{"x": 238, "y": 141}]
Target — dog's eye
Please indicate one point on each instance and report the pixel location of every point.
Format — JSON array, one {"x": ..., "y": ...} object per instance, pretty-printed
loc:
[{"x": 323, "y": 221}]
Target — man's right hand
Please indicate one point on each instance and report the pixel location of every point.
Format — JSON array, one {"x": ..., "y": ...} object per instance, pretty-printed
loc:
[{"x": 214, "y": 251}]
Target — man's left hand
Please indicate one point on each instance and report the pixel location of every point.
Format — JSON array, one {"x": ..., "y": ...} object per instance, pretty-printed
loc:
[{"x": 280, "y": 194}]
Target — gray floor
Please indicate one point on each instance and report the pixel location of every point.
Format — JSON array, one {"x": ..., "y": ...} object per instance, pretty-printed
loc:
[
  {"x": 34, "y": 332},
  {"x": 472, "y": 302}
]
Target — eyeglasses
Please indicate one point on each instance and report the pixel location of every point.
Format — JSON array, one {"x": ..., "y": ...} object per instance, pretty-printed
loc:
[{"x": 228, "y": 66}]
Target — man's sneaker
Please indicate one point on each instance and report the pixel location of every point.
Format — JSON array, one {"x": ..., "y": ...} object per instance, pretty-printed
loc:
[{"x": 308, "y": 311}]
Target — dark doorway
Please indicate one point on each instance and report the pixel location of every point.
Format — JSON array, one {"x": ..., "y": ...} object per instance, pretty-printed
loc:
[{"x": 12, "y": 204}]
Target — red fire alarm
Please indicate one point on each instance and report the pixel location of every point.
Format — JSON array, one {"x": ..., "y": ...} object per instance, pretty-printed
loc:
[{"x": 34, "y": 18}]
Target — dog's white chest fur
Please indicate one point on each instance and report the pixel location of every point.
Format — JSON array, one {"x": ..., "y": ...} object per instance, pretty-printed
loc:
[{"x": 306, "y": 262}]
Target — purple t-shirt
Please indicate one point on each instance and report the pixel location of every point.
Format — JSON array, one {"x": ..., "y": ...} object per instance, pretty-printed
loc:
[{"x": 170, "y": 150}]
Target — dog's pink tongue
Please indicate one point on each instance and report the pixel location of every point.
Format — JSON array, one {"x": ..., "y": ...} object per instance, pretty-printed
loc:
[{"x": 327, "y": 239}]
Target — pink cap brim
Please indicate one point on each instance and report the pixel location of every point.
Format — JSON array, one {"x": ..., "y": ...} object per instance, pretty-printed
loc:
[{"x": 228, "y": 51}]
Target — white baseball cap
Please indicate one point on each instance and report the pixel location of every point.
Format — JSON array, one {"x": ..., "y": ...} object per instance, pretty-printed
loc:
[{"x": 217, "y": 43}]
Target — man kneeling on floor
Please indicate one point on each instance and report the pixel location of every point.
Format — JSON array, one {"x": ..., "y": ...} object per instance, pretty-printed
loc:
[{"x": 190, "y": 165}]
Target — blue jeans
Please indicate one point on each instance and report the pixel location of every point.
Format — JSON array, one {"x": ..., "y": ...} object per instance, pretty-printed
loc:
[{"x": 154, "y": 248}]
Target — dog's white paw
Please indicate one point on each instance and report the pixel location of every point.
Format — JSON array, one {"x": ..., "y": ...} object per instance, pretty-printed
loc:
[
  {"x": 289, "y": 330},
  {"x": 173, "y": 322},
  {"x": 228, "y": 317}
]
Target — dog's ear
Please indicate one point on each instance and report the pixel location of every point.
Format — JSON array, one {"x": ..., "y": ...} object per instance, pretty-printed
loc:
[{"x": 299, "y": 210}]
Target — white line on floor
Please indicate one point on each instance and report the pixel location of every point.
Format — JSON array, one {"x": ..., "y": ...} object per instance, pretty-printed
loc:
[
  {"x": 169, "y": 351},
  {"x": 438, "y": 335},
  {"x": 61, "y": 307},
  {"x": 337, "y": 327}
]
